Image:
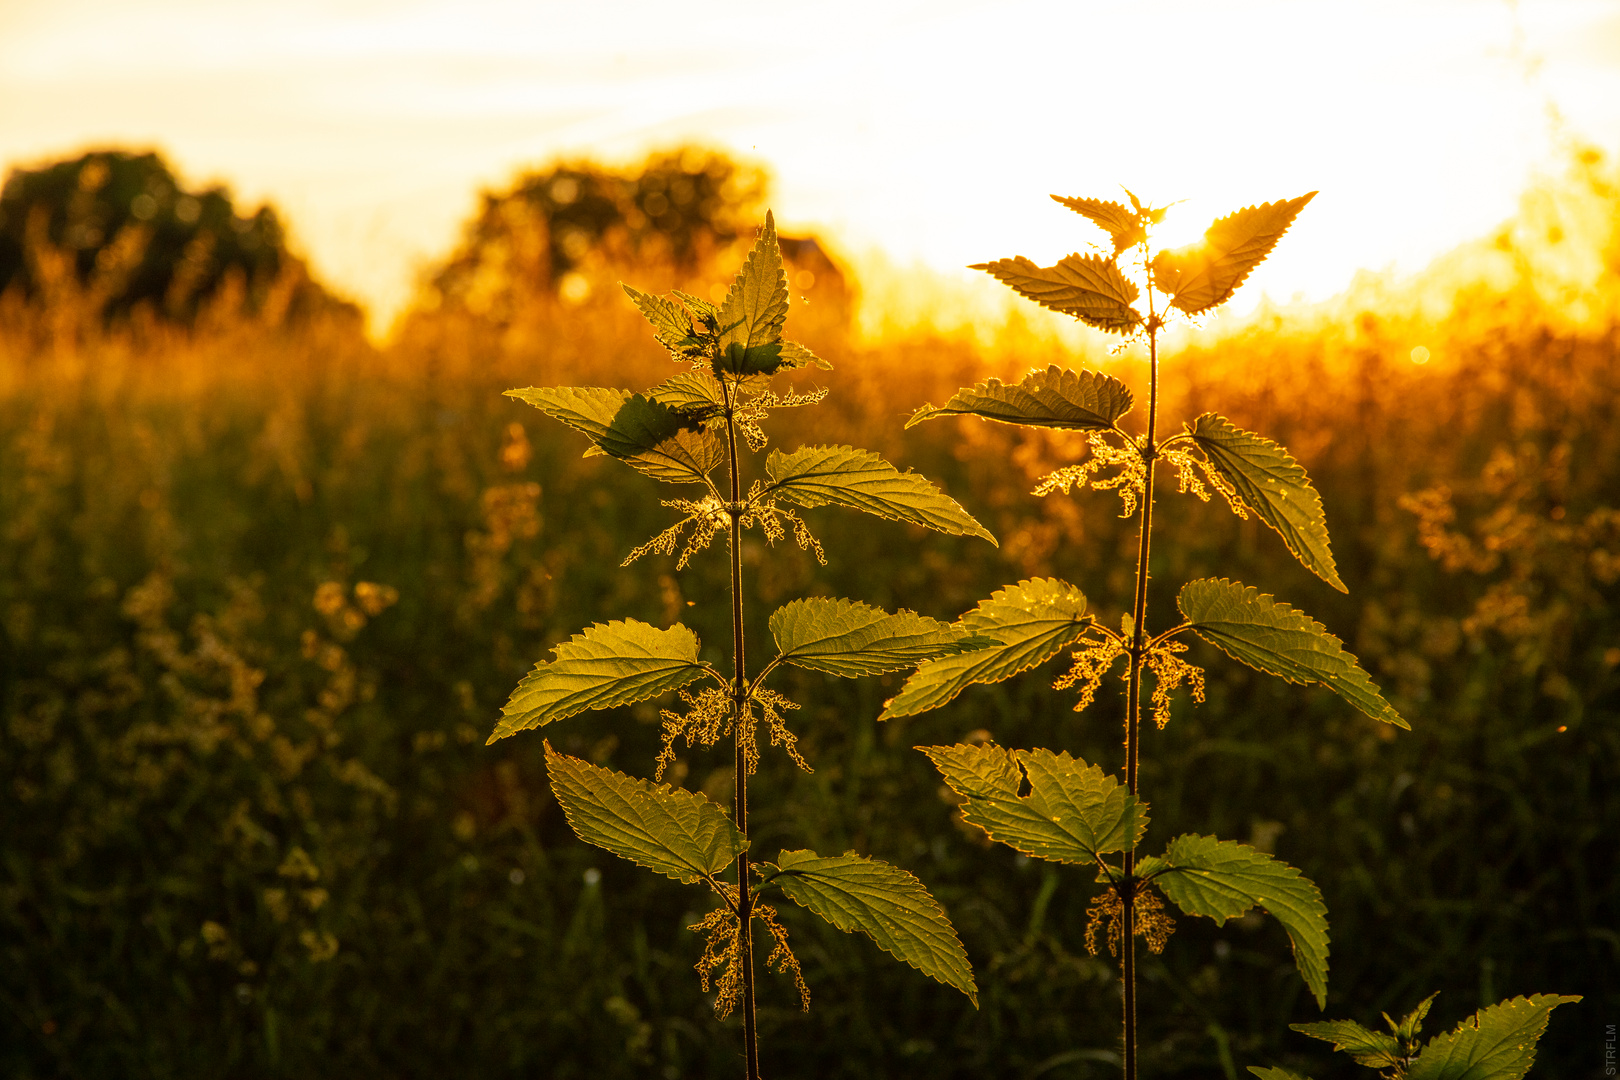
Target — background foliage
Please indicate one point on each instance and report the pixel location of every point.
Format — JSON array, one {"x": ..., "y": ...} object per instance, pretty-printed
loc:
[
  {"x": 264, "y": 586},
  {"x": 116, "y": 231}
]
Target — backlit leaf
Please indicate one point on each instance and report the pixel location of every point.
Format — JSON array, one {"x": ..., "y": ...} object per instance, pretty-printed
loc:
[
  {"x": 795, "y": 355},
  {"x": 1272, "y": 484},
  {"x": 1265, "y": 1073},
  {"x": 648, "y": 435},
  {"x": 1374, "y": 1049},
  {"x": 1412, "y": 1022},
  {"x": 1497, "y": 1043},
  {"x": 697, "y": 304},
  {"x": 1204, "y": 275},
  {"x": 678, "y": 833},
  {"x": 1054, "y": 398},
  {"x": 672, "y": 323},
  {"x": 609, "y": 664},
  {"x": 1114, "y": 218},
  {"x": 693, "y": 394},
  {"x": 882, "y": 901},
  {"x": 844, "y": 637},
  {"x": 1270, "y": 636},
  {"x": 587, "y": 409},
  {"x": 755, "y": 309},
  {"x": 655, "y": 439},
  {"x": 1089, "y": 287},
  {"x": 1073, "y": 812},
  {"x": 740, "y": 359},
  {"x": 1223, "y": 879},
  {"x": 860, "y": 479},
  {"x": 1153, "y": 214},
  {"x": 1033, "y": 620}
]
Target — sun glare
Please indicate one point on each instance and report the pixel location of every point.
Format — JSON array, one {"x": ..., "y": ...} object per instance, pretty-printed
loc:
[{"x": 929, "y": 132}]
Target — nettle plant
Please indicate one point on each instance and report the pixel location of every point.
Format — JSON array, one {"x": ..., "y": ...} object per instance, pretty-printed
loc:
[
  {"x": 1497, "y": 1043},
  {"x": 1050, "y": 805},
  {"x": 681, "y": 432}
]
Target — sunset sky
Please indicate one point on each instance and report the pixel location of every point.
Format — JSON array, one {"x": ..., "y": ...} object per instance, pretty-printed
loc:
[{"x": 929, "y": 132}]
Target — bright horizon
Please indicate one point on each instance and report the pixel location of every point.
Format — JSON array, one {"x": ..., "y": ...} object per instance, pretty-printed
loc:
[{"x": 906, "y": 134}]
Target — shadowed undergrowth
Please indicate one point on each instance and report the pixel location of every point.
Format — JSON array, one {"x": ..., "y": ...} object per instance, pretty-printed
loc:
[{"x": 263, "y": 590}]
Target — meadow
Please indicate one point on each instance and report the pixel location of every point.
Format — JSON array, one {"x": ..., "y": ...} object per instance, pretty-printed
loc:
[{"x": 264, "y": 586}]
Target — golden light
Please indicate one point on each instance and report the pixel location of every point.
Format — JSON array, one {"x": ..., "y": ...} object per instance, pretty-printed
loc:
[{"x": 912, "y": 135}]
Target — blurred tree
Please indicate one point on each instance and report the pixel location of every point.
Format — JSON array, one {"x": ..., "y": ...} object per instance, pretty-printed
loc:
[
  {"x": 543, "y": 236},
  {"x": 120, "y": 228}
]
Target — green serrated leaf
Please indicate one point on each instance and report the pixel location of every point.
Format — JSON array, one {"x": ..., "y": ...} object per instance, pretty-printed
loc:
[
  {"x": 654, "y": 439},
  {"x": 695, "y": 395},
  {"x": 1089, "y": 287},
  {"x": 671, "y": 323},
  {"x": 640, "y": 425},
  {"x": 755, "y": 309},
  {"x": 1204, "y": 275},
  {"x": 740, "y": 359},
  {"x": 1272, "y": 484},
  {"x": 795, "y": 356},
  {"x": 1223, "y": 879},
  {"x": 1268, "y": 635},
  {"x": 1497, "y": 1043},
  {"x": 851, "y": 639},
  {"x": 649, "y": 436},
  {"x": 860, "y": 479},
  {"x": 697, "y": 304},
  {"x": 1374, "y": 1049},
  {"x": 1073, "y": 812},
  {"x": 1033, "y": 621},
  {"x": 1054, "y": 398},
  {"x": 1412, "y": 1022},
  {"x": 680, "y": 834},
  {"x": 1266, "y": 1073},
  {"x": 1116, "y": 219},
  {"x": 609, "y": 664},
  {"x": 884, "y": 902},
  {"x": 587, "y": 409}
]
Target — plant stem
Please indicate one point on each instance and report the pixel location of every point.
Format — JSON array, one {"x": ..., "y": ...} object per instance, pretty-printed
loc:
[
  {"x": 739, "y": 710},
  {"x": 1133, "y": 705}
]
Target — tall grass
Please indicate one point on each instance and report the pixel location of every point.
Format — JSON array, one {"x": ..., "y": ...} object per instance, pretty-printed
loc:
[{"x": 258, "y": 585}]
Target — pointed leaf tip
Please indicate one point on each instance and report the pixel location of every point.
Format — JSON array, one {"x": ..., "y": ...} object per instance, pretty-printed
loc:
[
  {"x": 1223, "y": 879},
  {"x": 1256, "y": 629},
  {"x": 671, "y": 322},
  {"x": 678, "y": 833},
  {"x": 1206, "y": 274},
  {"x": 883, "y": 902},
  {"x": 1272, "y": 484},
  {"x": 1121, "y": 224},
  {"x": 755, "y": 309},
  {"x": 1496, "y": 1043}
]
